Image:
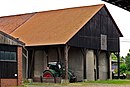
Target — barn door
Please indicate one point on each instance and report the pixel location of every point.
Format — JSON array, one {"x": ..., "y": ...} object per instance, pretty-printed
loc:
[{"x": 25, "y": 63}]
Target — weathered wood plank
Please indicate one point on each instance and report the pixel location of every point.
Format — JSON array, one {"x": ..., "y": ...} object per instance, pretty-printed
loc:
[{"x": 7, "y": 39}]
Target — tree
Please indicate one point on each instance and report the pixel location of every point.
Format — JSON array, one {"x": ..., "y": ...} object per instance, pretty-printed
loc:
[
  {"x": 128, "y": 61},
  {"x": 114, "y": 57}
]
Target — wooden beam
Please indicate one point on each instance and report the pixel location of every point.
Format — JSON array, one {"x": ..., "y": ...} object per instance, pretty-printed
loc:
[
  {"x": 66, "y": 49},
  {"x": 108, "y": 59}
]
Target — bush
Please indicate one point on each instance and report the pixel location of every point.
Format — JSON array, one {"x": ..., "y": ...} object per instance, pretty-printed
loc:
[
  {"x": 128, "y": 62},
  {"x": 123, "y": 68}
]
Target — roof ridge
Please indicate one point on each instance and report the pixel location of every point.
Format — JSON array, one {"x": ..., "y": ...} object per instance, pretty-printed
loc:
[
  {"x": 34, "y": 13},
  {"x": 52, "y": 10},
  {"x": 70, "y": 8},
  {"x": 22, "y": 23}
]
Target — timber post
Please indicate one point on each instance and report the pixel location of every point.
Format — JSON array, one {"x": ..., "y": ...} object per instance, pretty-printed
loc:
[
  {"x": 118, "y": 59},
  {"x": 66, "y": 49},
  {"x": 109, "y": 66}
]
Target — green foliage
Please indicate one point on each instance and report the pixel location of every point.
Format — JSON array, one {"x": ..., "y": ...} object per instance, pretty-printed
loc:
[
  {"x": 123, "y": 68},
  {"x": 114, "y": 57},
  {"x": 128, "y": 61},
  {"x": 122, "y": 58}
]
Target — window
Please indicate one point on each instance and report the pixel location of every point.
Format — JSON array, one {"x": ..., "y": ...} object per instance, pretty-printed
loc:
[
  {"x": 12, "y": 55},
  {"x": 7, "y": 56},
  {"x": 2, "y": 55},
  {"x": 8, "y": 53}
]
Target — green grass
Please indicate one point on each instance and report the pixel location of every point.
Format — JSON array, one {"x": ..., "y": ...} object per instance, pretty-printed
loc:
[
  {"x": 118, "y": 82},
  {"x": 111, "y": 81}
]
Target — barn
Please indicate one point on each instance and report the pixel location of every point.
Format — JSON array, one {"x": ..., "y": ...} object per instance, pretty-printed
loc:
[{"x": 82, "y": 38}]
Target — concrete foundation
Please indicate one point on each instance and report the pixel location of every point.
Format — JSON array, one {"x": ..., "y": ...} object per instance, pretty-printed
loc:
[
  {"x": 76, "y": 62},
  {"x": 40, "y": 63},
  {"x": 110, "y": 63},
  {"x": 90, "y": 65},
  {"x": 103, "y": 66}
]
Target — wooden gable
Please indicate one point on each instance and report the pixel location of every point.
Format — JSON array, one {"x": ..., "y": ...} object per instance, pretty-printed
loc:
[{"x": 91, "y": 34}]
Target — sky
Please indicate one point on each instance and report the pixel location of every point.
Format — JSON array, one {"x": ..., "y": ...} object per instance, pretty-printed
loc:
[{"x": 121, "y": 16}]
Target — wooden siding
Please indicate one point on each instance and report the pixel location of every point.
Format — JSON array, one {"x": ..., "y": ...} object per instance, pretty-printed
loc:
[
  {"x": 8, "y": 68},
  {"x": 90, "y": 35}
]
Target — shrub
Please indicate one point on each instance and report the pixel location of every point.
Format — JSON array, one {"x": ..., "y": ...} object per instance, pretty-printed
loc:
[
  {"x": 123, "y": 68},
  {"x": 128, "y": 62}
]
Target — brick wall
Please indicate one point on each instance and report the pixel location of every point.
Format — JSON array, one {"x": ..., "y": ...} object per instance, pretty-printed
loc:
[
  {"x": 8, "y": 82},
  {"x": 19, "y": 51}
]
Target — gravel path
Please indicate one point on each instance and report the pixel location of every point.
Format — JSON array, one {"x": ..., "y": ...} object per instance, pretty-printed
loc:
[{"x": 89, "y": 85}]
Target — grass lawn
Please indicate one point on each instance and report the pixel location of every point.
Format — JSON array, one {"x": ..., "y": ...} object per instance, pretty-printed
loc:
[
  {"x": 120, "y": 81},
  {"x": 115, "y": 82}
]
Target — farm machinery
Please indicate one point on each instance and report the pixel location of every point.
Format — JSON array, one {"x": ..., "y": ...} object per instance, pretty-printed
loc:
[{"x": 56, "y": 69}]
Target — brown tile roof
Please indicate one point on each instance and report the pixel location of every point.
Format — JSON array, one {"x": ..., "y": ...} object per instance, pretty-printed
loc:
[
  {"x": 10, "y": 23},
  {"x": 55, "y": 27}
]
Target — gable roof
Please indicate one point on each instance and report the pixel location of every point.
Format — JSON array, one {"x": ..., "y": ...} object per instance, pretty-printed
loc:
[
  {"x": 55, "y": 27},
  {"x": 10, "y": 23},
  {"x": 52, "y": 27}
]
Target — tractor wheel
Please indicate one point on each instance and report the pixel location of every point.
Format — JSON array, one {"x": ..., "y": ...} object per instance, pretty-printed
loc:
[{"x": 48, "y": 74}]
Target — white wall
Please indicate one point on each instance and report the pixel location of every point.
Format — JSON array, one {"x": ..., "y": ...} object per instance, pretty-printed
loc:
[{"x": 76, "y": 62}]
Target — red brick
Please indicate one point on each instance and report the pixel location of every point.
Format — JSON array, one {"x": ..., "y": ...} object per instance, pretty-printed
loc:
[
  {"x": 19, "y": 51},
  {"x": 8, "y": 82}
]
